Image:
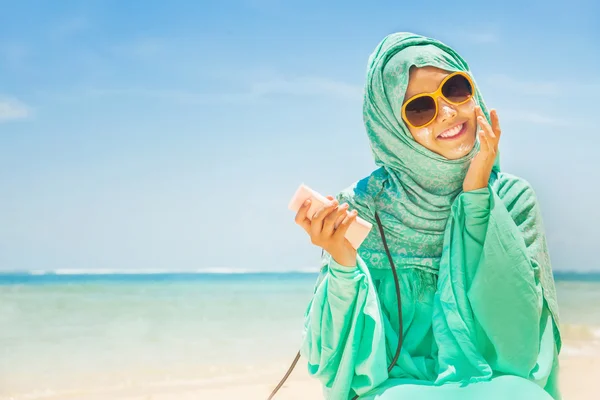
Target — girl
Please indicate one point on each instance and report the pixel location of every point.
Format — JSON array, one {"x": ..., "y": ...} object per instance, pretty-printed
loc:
[{"x": 451, "y": 296}]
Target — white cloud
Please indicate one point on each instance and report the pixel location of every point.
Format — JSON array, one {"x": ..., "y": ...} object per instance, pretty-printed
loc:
[
  {"x": 533, "y": 88},
  {"x": 13, "y": 109},
  {"x": 178, "y": 96},
  {"x": 141, "y": 48},
  {"x": 70, "y": 26},
  {"x": 262, "y": 89},
  {"x": 481, "y": 37},
  {"x": 541, "y": 88},
  {"x": 534, "y": 118},
  {"x": 307, "y": 86},
  {"x": 473, "y": 36}
]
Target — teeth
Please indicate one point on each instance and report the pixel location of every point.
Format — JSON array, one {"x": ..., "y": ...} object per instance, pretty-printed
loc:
[{"x": 451, "y": 132}]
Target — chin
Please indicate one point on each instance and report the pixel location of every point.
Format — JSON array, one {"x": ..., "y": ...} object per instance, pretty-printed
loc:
[{"x": 461, "y": 149}]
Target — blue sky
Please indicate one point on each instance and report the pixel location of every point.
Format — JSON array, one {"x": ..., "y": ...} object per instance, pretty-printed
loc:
[{"x": 171, "y": 135}]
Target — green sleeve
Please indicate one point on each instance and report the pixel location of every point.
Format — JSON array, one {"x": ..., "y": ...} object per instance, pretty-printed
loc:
[
  {"x": 343, "y": 334},
  {"x": 490, "y": 317}
]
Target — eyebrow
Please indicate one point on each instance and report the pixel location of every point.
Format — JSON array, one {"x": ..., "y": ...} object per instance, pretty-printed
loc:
[{"x": 407, "y": 96}]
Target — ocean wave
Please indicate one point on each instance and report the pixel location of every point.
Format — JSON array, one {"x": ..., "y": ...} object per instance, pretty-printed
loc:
[
  {"x": 561, "y": 276},
  {"x": 308, "y": 270},
  {"x": 580, "y": 340},
  {"x": 569, "y": 350},
  {"x": 578, "y": 332},
  {"x": 91, "y": 271}
]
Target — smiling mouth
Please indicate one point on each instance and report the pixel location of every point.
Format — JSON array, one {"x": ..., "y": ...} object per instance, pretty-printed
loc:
[{"x": 453, "y": 132}]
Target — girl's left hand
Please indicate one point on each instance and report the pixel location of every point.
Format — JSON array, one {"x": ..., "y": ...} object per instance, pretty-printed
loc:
[{"x": 480, "y": 169}]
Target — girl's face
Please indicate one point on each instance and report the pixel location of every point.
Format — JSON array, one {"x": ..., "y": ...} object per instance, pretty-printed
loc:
[{"x": 452, "y": 133}]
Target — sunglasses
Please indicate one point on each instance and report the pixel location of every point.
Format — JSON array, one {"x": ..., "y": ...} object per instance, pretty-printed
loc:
[{"x": 420, "y": 110}]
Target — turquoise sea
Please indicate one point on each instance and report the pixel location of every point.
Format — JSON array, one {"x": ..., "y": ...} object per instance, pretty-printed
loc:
[{"x": 65, "y": 331}]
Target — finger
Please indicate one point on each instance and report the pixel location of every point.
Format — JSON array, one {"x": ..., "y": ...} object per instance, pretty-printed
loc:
[
  {"x": 483, "y": 124},
  {"x": 481, "y": 118},
  {"x": 316, "y": 225},
  {"x": 329, "y": 222},
  {"x": 340, "y": 219},
  {"x": 495, "y": 123},
  {"x": 490, "y": 148},
  {"x": 325, "y": 210},
  {"x": 330, "y": 198},
  {"x": 484, "y": 141},
  {"x": 340, "y": 232},
  {"x": 479, "y": 112},
  {"x": 301, "y": 217}
]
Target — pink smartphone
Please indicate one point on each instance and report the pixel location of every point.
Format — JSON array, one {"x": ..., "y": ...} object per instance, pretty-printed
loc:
[{"x": 356, "y": 233}]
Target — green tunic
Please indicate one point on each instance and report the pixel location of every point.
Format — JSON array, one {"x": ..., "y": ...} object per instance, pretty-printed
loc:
[{"x": 481, "y": 319}]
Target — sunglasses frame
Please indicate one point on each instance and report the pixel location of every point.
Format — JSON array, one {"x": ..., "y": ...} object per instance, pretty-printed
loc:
[{"x": 435, "y": 95}]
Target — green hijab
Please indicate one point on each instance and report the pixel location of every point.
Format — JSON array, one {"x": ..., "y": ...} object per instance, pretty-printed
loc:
[
  {"x": 423, "y": 172},
  {"x": 414, "y": 189}
]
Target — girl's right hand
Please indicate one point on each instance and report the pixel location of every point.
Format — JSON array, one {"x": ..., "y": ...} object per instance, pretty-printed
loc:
[{"x": 322, "y": 231}]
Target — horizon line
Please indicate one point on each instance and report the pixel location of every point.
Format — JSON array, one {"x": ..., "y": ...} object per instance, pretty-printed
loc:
[{"x": 206, "y": 271}]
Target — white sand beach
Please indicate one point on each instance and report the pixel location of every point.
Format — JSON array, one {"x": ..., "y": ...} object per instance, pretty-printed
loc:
[{"x": 579, "y": 379}]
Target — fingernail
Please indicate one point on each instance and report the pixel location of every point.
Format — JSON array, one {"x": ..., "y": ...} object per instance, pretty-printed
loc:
[{"x": 306, "y": 202}]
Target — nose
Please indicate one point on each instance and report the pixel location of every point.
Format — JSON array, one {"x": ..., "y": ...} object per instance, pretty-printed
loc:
[{"x": 446, "y": 111}]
